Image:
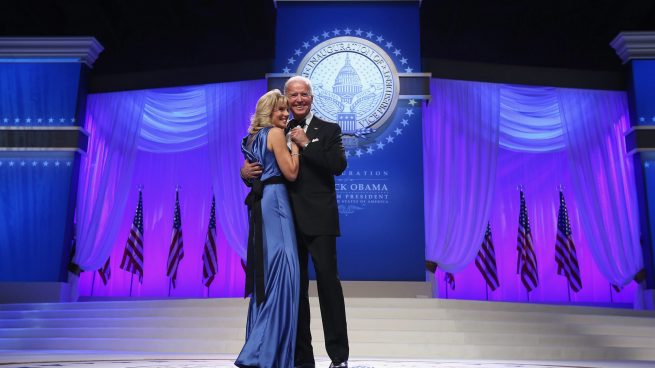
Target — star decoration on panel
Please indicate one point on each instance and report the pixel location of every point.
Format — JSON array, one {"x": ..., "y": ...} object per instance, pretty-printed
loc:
[
  {"x": 347, "y": 31},
  {"x": 34, "y": 163},
  {"x": 32, "y": 121}
]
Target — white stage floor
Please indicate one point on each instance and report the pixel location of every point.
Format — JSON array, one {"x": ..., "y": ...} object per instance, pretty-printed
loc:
[
  {"x": 42, "y": 359},
  {"x": 385, "y": 333}
]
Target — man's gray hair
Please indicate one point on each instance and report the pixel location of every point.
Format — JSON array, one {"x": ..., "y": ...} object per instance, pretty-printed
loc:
[{"x": 299, "y": 78}]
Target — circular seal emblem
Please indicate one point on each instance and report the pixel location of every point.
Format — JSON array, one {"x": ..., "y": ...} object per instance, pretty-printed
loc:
[{"x": 355, "y": 84}]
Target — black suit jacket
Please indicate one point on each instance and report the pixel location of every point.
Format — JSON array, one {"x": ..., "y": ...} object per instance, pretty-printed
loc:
[{"x": 313, "y": 194}]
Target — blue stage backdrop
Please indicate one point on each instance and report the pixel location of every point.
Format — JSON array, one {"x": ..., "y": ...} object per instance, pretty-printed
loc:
[
  {"x": 649, "y": 182},
  {"x": 354, "y": 53},
  {"x": 42, "y": 94},
  {"x": 34, "y": 187},
  {"x": 643, "y": 80},
  {"x": 34, "y": 192},
  {"x": 643, "y": 93}
]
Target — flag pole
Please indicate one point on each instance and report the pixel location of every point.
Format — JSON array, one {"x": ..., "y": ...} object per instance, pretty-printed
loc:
[
  {"x": 169, "y": 286},
  {"x": 212, "y": 192},
  {"x": 131, "y": 279},
  {"x": 611, "y": 294},
  {"x": 486, "y": 290},
  {"x": 568, "y": 289},
  {"x": 93, "y": 281}
]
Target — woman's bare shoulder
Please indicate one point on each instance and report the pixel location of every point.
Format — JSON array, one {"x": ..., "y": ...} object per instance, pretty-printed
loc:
[{"x": 275, "y": 131}]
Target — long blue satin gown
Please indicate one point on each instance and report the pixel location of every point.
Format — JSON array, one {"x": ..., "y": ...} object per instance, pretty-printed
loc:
[{"x": 271, "y": 326}]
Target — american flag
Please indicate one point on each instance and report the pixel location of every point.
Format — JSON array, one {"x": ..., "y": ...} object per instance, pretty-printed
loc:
[
  {"x": 450, "y": 280},
  {"x": 565, "y": 254},
  {"x": 105, "y": 272},
  {"x": 527, "y": 260},
  {"x": 133, "y": 255},
  {"x": 176, "y": 251},
  {"x": 209, "y": 263},
  {"x": 486, "y": 260}
]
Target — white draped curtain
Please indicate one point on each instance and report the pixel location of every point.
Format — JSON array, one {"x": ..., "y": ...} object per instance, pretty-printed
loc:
[
  {"x": 231, "y": 112},
  {"x": 113, "y": 123},
  {"x": 127, "y": 130},
  {"x": 460, "y": 139},
  {"x": 465, "y": 126},
  {"x": 594, "y": 124}
]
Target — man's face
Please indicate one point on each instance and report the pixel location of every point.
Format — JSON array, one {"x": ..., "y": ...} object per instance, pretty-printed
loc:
[{"x": 300, "y": 100}]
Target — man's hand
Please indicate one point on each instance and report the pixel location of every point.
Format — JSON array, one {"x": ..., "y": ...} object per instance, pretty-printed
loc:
[
  {"x": 250, "y": 170},
  {"x": 299, "y": 137}
]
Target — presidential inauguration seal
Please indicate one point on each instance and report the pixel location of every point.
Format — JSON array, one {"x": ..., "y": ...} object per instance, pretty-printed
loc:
[{"x": 355, "y": 84}]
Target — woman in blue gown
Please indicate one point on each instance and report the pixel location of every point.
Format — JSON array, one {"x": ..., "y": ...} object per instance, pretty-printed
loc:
[{"x": 272, "y": 266}]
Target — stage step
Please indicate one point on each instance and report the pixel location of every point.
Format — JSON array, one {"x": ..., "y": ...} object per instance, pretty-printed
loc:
[{"x": 378, "y": 328}]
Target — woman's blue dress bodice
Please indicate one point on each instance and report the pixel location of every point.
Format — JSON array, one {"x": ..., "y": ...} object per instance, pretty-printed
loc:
[{"x": 255, "y": 150}]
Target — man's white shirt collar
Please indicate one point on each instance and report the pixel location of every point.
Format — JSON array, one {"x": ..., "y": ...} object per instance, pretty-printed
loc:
[{"x": 308, "y": 119}]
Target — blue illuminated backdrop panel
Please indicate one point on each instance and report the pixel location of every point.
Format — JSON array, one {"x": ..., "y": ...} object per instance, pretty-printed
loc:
[
  {"x": 643, "y": 82},
  {"x": 34, "y": 190},
  {"x": 37, "y": 183},
  {"x": 41, "y": 96},
  {"x": 643, "y": 106},
  {"x": 358, "y": 56}
]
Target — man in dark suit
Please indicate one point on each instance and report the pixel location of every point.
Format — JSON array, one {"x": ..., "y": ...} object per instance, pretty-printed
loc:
[{"x": 314, "y": 202}]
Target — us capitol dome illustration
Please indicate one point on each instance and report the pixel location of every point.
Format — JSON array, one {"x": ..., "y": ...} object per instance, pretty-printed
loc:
[
  {"x": 348, "y": 100},
  {"x": 347, "y": 84}
]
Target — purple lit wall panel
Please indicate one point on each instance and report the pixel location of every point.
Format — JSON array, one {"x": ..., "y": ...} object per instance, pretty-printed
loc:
[
  {"x": 541, "y": 174},
  {"x": 159, "y": 173}
]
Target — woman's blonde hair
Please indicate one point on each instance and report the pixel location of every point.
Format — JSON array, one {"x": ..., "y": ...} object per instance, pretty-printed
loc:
[{"x": 262, "y": 116}]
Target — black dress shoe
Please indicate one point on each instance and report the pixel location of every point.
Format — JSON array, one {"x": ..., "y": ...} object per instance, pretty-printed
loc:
[{"x": 340, "y": 365}]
